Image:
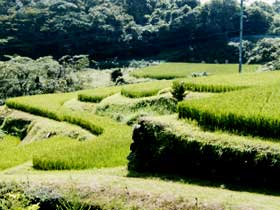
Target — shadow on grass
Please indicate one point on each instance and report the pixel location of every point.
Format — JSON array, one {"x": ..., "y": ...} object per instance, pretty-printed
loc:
[{"x": 209, "y": 182}]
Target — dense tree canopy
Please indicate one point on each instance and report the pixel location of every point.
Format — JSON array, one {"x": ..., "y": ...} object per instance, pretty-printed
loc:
[
  {"x": 127, "y": 28},
  {"x": 25, "y": 76}
]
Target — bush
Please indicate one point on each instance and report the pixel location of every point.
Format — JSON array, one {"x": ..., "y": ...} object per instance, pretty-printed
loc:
[
  {"x": 116, "y": 74},
  {"x": 265, "y": 50},
  {"x": 167, "y": 146},
  {"x": 179, "y": 90}
]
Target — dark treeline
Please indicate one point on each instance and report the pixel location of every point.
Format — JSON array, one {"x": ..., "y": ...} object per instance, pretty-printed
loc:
[{"x": 130, "y": 28}]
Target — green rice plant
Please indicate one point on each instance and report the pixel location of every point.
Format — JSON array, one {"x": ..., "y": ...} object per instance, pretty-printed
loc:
[
  {"x": 253, "y": 111},
  {"x": 98, "y": 94},
  {"x": 109, "y": 149},
  {"x": 226, "y": 83},
  {"x": 144, "y": 89},
  {"x": 13, "y": 153},
  {"x": 181, "y": 70}
]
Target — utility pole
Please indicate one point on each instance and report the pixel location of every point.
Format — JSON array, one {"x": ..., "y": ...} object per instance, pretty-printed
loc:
[{"x": 241, "y": 36}]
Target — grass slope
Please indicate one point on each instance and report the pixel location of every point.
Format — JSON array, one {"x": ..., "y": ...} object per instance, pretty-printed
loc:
[{"x": 109, "y": 149}]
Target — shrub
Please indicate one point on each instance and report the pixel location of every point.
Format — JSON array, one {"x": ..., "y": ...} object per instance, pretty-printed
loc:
[
  {"x": 178, "y": 90},
  {"x": 116, "y": 74},
  {"x": 168, "y": 146},
  {"x": 15, "y": 127},
  {"x": 76, "y": 62}
]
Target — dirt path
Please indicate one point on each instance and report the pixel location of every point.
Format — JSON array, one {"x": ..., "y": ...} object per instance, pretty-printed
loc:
[{"x": 104, "y": 186}]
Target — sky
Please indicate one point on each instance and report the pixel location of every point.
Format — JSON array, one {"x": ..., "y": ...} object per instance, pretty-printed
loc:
[{"x": 249, "y": 1}]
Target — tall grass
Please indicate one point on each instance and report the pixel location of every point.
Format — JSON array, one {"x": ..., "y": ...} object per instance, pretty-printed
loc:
[
  {"x": 12, "y": 153},
  {"x": 253, "y": 111},
  {"x": 144, "y": 89},
  {"x": 110, "y": 148},
  {"x": 98, "y": 94},
  {"x": 225, "y": 83}
]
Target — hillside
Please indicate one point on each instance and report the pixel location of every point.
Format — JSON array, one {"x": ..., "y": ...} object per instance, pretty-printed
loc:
[
  {"x": 225, "y": 131},
  {"x": 109, "y": 29}
]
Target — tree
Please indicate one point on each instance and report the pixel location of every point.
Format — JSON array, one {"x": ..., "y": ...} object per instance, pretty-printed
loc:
[
  {"x": 257, "y": 20},
  {"x": 25, "y": 76}
]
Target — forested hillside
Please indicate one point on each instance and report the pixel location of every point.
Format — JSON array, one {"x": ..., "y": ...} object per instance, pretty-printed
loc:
[{"x": 130, "y": 28}]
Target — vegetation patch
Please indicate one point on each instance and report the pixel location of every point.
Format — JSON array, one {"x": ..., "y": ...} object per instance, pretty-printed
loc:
[
  {"x": 128, "y": 110},
  {"x": 16, "y": 127},
  {"x": 181, "y": 70},
  {"x": 253, "y": 111},
  {"x": 73, "y": 196},
  {"x": 109, "y": 149},
  {"x": 144, "y": 89},
  {"x": 98, "y": 94},
  {"x": 24, "y": 76},
  {"x": 168, "y": 146}
]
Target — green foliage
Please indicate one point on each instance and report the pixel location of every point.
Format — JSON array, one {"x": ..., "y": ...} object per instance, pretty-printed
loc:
[
  {"x": 16, "y": 127},
  {"x": 178, "y": 90},
  {"x": 258, "y": 19},
  {"x": 77, "y": 62},
  {"x": 115, "y": 74},
  {"x": 24, "y": 76},
  {"x": 13, "y": 197},
  {"x": 181, "y": 70},
  {"x": 108, "y": 29},
  {"x": 265, "y": 50},
  {"x": 128, "y": 110},
  {"x": 165, "y": 145}
]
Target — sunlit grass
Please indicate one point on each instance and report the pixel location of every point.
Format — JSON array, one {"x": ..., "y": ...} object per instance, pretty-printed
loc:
[
  {"x": 145, "y": 89},
  {"x": 109, "y": 149},
  {"x": 181, "y": 70}
]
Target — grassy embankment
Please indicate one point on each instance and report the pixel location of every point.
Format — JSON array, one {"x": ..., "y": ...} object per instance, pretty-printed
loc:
[{"x": 109, "y": 149}]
